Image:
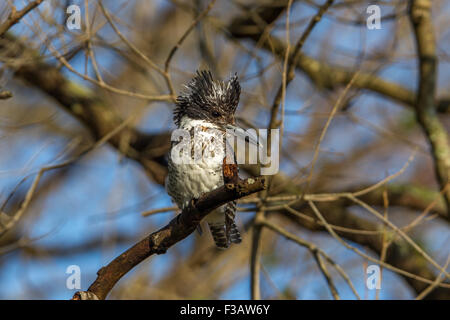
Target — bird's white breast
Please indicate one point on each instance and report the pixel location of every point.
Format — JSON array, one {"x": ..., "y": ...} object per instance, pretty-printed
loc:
[{"x": 190, "y": 180}]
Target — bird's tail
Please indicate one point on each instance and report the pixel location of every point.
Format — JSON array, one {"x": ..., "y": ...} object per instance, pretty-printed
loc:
[
  {"x": 218, "y": 232},
  {"x": 225, "y": 232},
  {"x": 223, "y": 237},
  {"x": 232, "y": 231},
  {"x": 234, "y": 234}
]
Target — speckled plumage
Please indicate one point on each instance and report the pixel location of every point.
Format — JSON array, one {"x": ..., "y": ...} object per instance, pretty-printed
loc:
[
  {"x": 208, "y": 99},
  {"x": 196, "y": 108}
]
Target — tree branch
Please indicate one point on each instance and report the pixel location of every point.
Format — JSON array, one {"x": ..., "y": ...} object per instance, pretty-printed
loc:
[
  {"x": 15, "y": 16},
  {"x": 178, "y": 228},
  {"x": 89, "y": 108},
  {"x": 323, "y": 75},
  {"x": 425, "y": 106},
  {"x": 337, "y": 213}
]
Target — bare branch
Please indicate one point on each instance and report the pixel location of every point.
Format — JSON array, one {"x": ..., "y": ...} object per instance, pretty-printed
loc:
[
  {"x": 15, "y": 16},
  {"x": 323, "y": 75},
  {"x": 90, "y": 109},
  {"x": 255, "y": 258},
  {"x": 178, "y": 228},
  {"x": 425, "y": 106}
]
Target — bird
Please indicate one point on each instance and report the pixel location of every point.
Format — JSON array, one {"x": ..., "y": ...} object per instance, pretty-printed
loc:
[{"x": 205, "y": 110}]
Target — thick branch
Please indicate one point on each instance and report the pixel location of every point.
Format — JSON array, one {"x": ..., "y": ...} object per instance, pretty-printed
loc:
[
  {"x": 178, "y": 228},
  {"x": 420, "y": 15}
]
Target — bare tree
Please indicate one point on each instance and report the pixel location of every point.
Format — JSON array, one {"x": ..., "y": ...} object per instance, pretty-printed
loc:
[{"x": 363, "y": 115}]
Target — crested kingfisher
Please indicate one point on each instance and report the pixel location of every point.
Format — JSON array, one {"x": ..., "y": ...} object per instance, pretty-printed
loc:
[{"x": 205, "y": 110}]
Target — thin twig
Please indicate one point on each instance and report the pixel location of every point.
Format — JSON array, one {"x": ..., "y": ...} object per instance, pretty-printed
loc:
[
  {"x": 336, "y": 106},
  {"x": 179, "y": 43},
  {"x": 326, "y": 197},
  {"x": 366, "y": 256},
  {"x": 159, "y": 210},
  {"x": 438, "y": 280},
  {"x": 15, "y": 16},
  {"x": 90, "y": 51},
  {"x": 326, "y": 274},
  {"x": 133, "y": 48},
  {"x": 29, "y": 195},
  {"x": 311, "y": 247},
  {"x": 186, "y": 33},
  {"x": 400, "y": 232}
]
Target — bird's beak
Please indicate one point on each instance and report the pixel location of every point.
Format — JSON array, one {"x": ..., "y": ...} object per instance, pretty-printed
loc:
[{"x": 240, "y": 133}]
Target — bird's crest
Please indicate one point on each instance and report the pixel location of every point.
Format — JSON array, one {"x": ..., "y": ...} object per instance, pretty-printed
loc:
[{"x": 203, "y": 94}]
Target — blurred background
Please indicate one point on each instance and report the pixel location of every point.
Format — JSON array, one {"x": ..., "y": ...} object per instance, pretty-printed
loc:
[{"x": 93, "y": 108}]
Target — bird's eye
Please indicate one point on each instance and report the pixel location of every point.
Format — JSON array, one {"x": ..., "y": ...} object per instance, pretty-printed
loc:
[{"x": 216, "y": 114}]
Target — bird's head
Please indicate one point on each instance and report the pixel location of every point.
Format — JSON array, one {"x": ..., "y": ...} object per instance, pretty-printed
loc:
[{"x": 210, "y": 100}]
